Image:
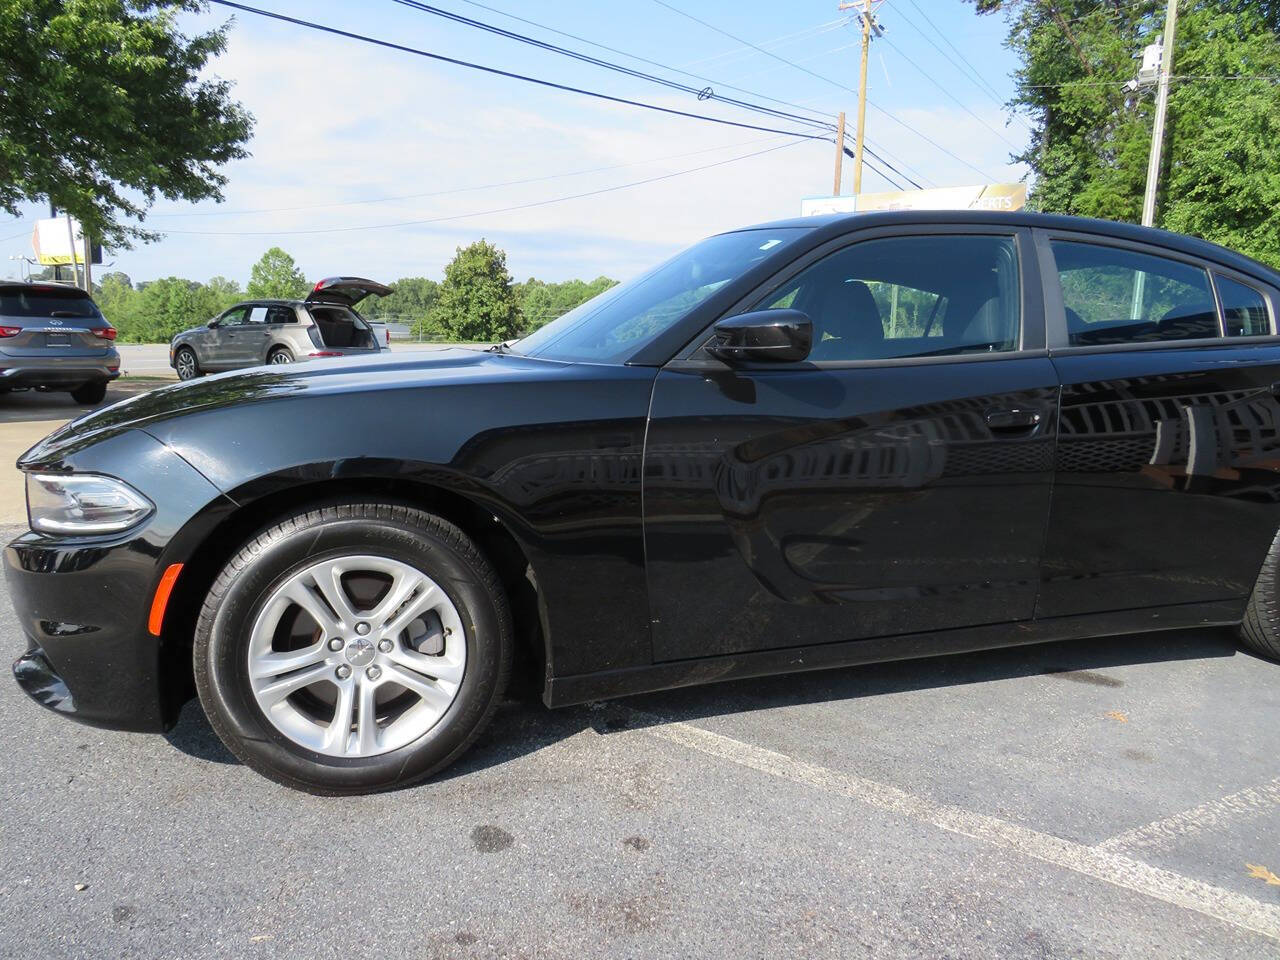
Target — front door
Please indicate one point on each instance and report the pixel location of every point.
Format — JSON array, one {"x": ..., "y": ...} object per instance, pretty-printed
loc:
[
  {"x": 896, "y": 482},
  {"x": 1168, "y": 474}
]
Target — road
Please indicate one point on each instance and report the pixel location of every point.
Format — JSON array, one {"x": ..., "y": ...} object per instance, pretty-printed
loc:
[
  {"x": 152, "y": 359},
  {"x": 1099, "y": 799}
]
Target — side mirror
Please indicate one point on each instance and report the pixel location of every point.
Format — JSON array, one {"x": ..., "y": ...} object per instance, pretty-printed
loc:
[
  {"x": 212, "y": 324},
  {"x": 779, "y": 336}
]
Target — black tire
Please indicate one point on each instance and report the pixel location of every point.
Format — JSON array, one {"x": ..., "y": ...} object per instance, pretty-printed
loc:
[
  {"x": 280, "y": 355},
  {"x": 395, "y": 531},
  {"x": 1260, "y": 631},
  {"x": 92, "y": 392},
  {"x": 187, "y": 364}
]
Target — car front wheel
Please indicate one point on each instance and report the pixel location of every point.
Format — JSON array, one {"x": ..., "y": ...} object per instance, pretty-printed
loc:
[
  {"x": 353, "y": 647},
  {"x": 185, "y": 362}
]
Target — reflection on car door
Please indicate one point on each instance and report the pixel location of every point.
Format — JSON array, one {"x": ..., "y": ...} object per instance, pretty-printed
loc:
[
  {"x": 1167, "y": 484},
  {"x": 896, "y": 482}
]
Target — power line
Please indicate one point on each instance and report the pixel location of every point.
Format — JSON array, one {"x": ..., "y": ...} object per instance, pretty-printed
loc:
[
  {"x": 743, "y": 45},
  {"x": 482, "y": 186},
  {"x": 924, "y": 73},
  {"x": 481, "y": 213},
  {"x": 706, "y": 93},
  {"x": 965, "y": 67},
  {"x": 887, "y": 164},
  {"x": 981, "y": 80},
  {"x": 637, "y": 57},
  {"x": 427, "y": 8},
  {"x": 387, "y": 44},
  {"x": 824, "y": 79}
]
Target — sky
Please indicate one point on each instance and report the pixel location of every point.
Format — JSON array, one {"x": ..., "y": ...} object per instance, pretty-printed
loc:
[{"x": 356, "y": 146}]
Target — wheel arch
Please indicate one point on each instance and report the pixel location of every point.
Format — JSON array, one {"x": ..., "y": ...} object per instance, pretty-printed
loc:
[{"x": 210, "y": 552}]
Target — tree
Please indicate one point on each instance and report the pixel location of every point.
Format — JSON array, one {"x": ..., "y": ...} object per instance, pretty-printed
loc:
[
  {"x": 541, "y": 302},
  {"x": 476, "y": 301},
  {"x": 104, "y": 109},
  {"x": 1089, "y": 147},
  {"x": 276, "y": 276},
  {"x": 161, "y": 309}
]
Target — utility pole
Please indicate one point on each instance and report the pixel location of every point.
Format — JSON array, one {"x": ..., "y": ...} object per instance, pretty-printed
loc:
[
  {"x": 1162, "y": 108},
  {"x": 71, "y": 245},
  {"x": 835, "y": 191},
  {"x": 88, "y": 263},
  {"x": 868, "y": 26}
]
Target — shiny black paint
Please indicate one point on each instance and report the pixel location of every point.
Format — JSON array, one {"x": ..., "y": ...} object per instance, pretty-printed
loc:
[
  {"x": 688, "y": 520},
  {"x": 792, "y": 504}
]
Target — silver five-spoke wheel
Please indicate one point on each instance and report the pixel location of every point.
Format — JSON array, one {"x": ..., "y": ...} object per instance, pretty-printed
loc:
[{"x": 356, "y": 656}]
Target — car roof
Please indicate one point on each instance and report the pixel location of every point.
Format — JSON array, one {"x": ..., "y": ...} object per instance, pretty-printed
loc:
[
  {"x": 45, "y": 285},
  {"x": 836, "y": 224}
]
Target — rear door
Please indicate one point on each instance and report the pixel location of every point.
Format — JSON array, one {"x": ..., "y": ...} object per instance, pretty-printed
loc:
[
  {"x": 896, "y": 482},
  {"x": 347, "y": 291},
  {"x": 1168, "y": 464}
]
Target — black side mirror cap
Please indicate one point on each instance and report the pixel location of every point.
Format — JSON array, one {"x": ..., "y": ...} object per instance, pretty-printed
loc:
[
  {"x": 212, "y": 324},
  {"x": 772, "y": 336}
]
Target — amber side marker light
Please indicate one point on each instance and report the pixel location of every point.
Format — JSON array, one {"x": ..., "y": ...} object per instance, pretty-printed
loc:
[{"x": 161, "y": 599}]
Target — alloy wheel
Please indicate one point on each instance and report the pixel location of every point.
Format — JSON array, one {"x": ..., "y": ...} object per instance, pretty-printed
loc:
[{"x": 356, "y": 656}]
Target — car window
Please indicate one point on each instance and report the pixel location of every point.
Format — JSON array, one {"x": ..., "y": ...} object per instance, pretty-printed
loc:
[
  {"x": 909, "y": 297},
  {"x": 1112, "y": 295},
  {"x": 257, "y": 315},
  {"x": 625, "y": 317},
  {"x": 45, "y": 302},
  {"x": 1244, "y": 310},
  {"x": 279, "y": 314},
  {"x": 233, "y": 317}
]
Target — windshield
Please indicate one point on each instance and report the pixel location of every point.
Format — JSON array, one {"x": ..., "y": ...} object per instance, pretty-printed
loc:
[
  {"x": 44, "y": 302},
  {"x": 619, "y": 321}
]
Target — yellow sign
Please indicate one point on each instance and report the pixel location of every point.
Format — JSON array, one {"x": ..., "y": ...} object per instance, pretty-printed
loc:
[{"x": 51, "y": 241}]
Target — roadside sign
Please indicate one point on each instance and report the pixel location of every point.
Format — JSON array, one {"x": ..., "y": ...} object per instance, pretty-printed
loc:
[
  {"x": 991, "y": 196},
  {"x": 52, "y": 244}
]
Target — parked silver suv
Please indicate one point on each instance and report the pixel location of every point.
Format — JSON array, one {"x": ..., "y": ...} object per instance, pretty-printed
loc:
[
  {"x": 254, "y": 332},
  {"x": 54, "y": 337}
]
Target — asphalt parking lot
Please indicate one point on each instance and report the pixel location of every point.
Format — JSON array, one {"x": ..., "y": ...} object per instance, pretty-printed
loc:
[{"x": 1117, "y": 798}]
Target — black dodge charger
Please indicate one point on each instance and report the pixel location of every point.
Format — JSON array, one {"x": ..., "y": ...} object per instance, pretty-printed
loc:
[{"x": 800, "y": 445}]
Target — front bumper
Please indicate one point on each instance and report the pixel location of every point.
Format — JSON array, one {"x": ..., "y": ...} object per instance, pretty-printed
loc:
[{"x": 83, "y": 605}]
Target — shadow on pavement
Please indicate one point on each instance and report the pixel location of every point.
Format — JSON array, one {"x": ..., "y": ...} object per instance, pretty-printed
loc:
[{"x": 524, "y": 726}]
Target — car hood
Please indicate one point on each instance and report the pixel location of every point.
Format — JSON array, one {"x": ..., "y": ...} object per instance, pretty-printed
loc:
[{"x": 381, "y": 371}]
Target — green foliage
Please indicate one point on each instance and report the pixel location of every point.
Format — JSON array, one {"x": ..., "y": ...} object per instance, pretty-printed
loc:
[
  {"x": 476, "y": 301},
  {"x": 541, "y": 302},
  {"x": 276, "y": 276},
  {"x": 162, "y": 308},
  {"x": 1221, "y": 176},
  {"x": 411, "y": 302},
  {"x": 104, "y": 109}
]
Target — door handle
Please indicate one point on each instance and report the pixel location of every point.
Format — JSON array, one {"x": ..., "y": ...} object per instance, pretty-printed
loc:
[{"x": 1013, "y": 419}]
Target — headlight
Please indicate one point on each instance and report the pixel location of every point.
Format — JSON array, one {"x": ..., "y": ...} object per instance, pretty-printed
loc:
[{"x": 83, "y": 503}]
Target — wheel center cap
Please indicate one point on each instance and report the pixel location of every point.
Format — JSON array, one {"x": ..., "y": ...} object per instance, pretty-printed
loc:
[{"x": 360, "y": 652}]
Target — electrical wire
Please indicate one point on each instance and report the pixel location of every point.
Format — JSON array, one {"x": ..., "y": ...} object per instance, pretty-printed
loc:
[
  {"x": 482, "y": 213},
  {"x": 640, "y": 59},
  {"x": 824, "y": 79},
  {"x": 924, "y": 73},
  {"x": 706, "y": 93},
  {"x": 482, "y": 186},
  {"x": 387, "y": 44}
]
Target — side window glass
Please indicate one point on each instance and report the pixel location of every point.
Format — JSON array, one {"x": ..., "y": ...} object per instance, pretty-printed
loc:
[
  {"x": 280, "y": 315},
  {"x": 909, "y": 297},
  {"x": 257, "y": 314},
  {"x": 1112, "y": 295},
  {"x": 233, "y": 317},
  {"x": 1244, "y": 311}
]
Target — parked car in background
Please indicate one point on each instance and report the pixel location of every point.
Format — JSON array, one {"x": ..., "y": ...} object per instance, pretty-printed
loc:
[
  {"x": 807, "y": 444},
  {"x": 54, "y": 337},
  {"x": 254, "y": 332}
]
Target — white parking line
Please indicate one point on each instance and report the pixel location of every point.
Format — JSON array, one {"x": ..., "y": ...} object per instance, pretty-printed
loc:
[
  {"x": 1101, "y": 864},
  {"x": 1163, "y": 833}
]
